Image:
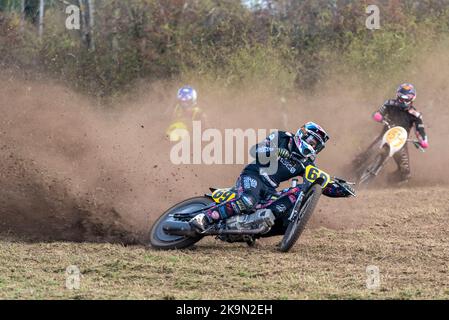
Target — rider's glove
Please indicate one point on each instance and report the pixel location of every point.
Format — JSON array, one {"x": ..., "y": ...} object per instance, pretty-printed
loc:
[
  {"x": 424, "y": 144},
  {"x": 378, "y": 117},
  {"x": 338, "y": 190},
  {"x": 349, "y": 188},
  {"x": 283, "y": 153}
]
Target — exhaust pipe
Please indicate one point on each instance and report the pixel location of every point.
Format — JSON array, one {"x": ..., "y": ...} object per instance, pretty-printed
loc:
[{"x": 179, "y": 228}]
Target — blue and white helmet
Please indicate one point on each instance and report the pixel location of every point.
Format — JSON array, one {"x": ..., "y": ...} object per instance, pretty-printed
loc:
[
  {"x": 187, "y": 96},
  {"x": 310, "y": 139}
]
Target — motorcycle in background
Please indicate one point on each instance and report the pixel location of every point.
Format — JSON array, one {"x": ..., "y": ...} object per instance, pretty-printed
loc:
[
  {"x": 177, "y": 131},
  {"x": 392, "y": 142}
]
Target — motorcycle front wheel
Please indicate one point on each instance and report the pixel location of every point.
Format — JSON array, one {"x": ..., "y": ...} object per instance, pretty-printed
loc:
[
  {"x": 371, "y": 168},
  {"x": 297, "y": 226}
]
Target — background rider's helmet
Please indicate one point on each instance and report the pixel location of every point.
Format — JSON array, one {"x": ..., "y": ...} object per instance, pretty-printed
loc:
[
  {"x": 187, "y": 97},
  {"x": 406, "y": 94},
  {"x": 310, "y": 139}
]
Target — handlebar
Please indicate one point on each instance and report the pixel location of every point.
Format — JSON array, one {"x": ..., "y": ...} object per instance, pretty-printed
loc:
[
  {"x": 345, "y": 185},
  {"x": 417, "y": 144},
  {"x": 386, "y": 123},
  {"x": 342, "y": 183}
]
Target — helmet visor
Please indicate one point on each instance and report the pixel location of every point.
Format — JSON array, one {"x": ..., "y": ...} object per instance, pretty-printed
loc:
[
  {"x": 304, "y": 148},
  {"x": 315, "y": 142},
  {"x": 405, "y": 99}
]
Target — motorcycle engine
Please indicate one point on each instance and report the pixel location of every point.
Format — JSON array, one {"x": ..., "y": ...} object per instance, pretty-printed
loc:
[{"x": 263, "y": 219}]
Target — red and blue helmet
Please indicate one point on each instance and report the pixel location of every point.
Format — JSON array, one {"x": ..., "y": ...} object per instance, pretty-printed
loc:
[
  {"x": 406, "y": 94},
  {"x": 187, "y": 96},
  {"x": 310, "y": 139}
]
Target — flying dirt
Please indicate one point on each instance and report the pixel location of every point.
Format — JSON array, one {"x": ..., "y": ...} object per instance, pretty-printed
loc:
[{"x": 73, "y": 169}]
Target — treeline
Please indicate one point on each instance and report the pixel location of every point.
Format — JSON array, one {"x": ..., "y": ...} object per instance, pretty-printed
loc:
[{"x": 287, "y": 43}]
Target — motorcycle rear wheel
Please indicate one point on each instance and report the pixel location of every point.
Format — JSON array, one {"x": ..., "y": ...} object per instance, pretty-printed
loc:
[{"x": 159, "y": 239}]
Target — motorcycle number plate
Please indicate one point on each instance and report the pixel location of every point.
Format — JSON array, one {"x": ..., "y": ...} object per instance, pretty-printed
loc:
[
  {"x": 177, "y": 131},
  {"x": 222, "y": 195},
  {"x": 313, "y": 173},
  {"x": 396, "y": 137}
]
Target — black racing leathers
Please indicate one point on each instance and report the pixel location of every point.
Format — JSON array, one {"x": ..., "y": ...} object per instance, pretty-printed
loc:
[
  {"x": 259, "y": 180},
  {"x": 271, "y": 168},
  {"x": 408, "y": 118}
]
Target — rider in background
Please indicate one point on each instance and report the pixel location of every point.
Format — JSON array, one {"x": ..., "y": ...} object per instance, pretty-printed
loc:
[
  {"x": 186, "y": 107},
  {"x": 185, "y": 113},
  {"x": 399, "y": 112},
  {"x": 256, "y": 183}
]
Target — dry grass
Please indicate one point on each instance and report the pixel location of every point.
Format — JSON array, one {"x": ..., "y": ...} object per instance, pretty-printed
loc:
[{"x": 408, "y": 242}]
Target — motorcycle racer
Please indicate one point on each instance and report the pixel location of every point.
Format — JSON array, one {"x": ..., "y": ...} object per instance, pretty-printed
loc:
[
  {"x": 184, "y": 114},
  {"x": 186, "y": 107},
  {"x": 255, "y": 183},
  {"x": 400, "y": 112}
]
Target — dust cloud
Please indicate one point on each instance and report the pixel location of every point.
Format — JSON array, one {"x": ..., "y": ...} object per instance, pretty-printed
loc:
[{"x": 73, "y": 169}]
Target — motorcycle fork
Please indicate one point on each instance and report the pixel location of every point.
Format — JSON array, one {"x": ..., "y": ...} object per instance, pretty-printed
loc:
[
  {"x": 387, "y": 157},
  {"x": 380, "y": 167},
  {"x": 294, "y": 212}
]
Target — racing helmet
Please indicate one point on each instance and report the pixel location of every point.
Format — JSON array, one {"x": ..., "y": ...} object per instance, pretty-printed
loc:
[
  {"x": 187, "y": 97},
  {"x": 406, "y": 94},
  {"x": 310, "y": 139}
]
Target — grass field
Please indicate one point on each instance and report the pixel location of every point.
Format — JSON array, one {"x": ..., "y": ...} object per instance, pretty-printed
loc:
[{"x": 402, "y": 232}]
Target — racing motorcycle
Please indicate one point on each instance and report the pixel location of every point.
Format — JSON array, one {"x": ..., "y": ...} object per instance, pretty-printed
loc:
[
  {"x": 177, "y": 131},
  {"x": 392, "y": 142},
  {"x": 173, "y": 231}
]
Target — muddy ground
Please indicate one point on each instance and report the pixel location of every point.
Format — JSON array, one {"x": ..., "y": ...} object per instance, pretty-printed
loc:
[{"x": 406, "y": 239}]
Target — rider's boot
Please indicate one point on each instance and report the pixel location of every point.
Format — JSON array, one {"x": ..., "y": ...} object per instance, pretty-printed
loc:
[
  {"x": 201, "y": 222},
  {"x": 404, "y": 179},
  {"x": 399, "y": 178},
  {"x": 403, "y": 182}
]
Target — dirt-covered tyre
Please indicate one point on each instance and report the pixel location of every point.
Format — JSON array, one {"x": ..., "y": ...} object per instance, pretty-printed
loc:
[
  {"x": 367, "y": 173},
  {"x": 159, "y": 239},
  {"x": 296, "y": 227}
]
